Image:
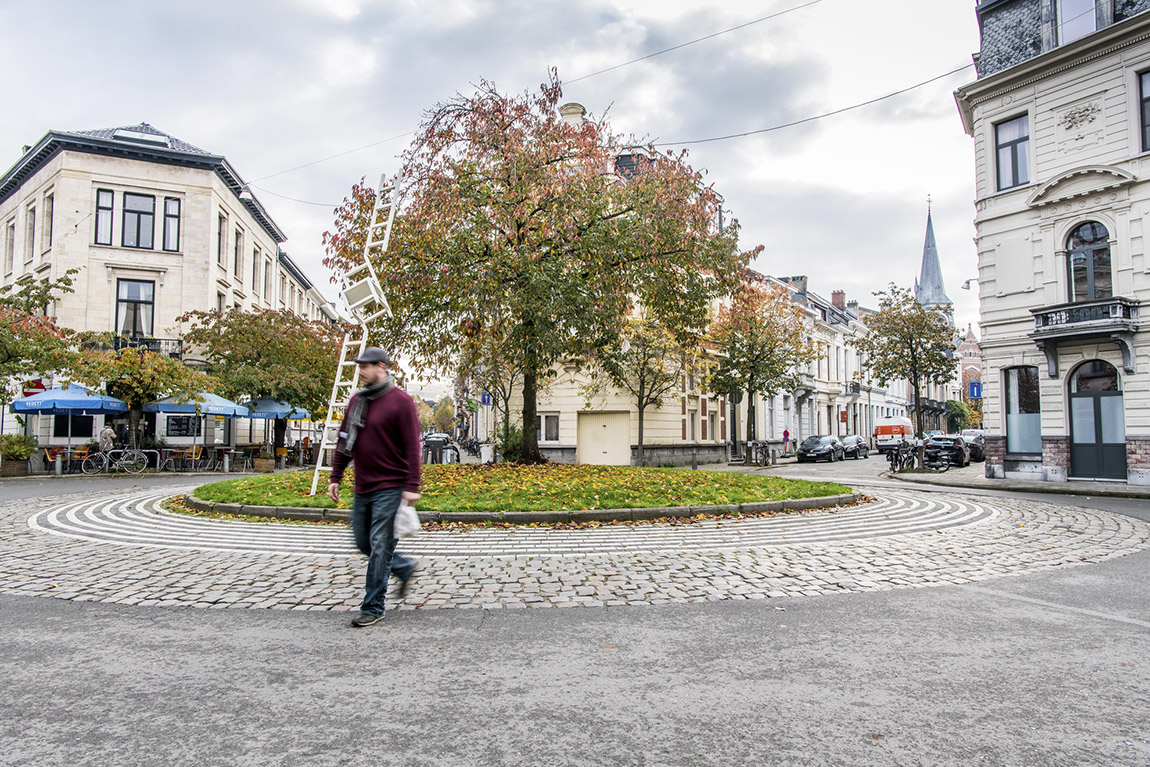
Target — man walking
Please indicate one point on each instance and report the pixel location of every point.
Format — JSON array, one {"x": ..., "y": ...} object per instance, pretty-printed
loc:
[{"x": 380, "y": 434}]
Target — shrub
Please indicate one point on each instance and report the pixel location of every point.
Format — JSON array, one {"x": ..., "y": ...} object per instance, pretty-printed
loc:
[
  {"x": 512, "y": 448},
  {"x": 17, "y": 447}
]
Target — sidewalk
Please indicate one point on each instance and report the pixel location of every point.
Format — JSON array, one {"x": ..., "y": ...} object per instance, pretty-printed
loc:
[
  {"x": 964, "y": 478},
  {"x": 973, "y": 477}
]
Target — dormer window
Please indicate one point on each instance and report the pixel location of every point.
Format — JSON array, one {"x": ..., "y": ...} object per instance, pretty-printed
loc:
[{"x": 1076, "y": 18}]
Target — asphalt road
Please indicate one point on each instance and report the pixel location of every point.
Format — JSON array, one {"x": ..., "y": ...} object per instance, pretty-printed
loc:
[{"x": 1046, "y": 669}]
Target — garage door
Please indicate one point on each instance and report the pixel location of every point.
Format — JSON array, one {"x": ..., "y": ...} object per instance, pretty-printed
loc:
[{"x": 604, "y": 439}]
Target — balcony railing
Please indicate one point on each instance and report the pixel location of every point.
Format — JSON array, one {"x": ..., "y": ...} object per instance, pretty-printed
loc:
[
  {"x": 1102, "y": 316},
  {"x": 1114, "y": 318},
  {"x": 172, "y": 347}
]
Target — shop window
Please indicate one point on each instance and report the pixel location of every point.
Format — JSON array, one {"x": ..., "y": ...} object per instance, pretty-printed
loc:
[{"x": 1023, "y": 417}]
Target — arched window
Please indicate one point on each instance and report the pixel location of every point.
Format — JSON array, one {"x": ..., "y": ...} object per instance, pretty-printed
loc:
[
  {"x": 1094, "y": 376},
  {"x": 1088, "y": 262}
]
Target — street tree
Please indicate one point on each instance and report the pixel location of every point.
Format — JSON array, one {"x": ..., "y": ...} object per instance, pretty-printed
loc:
[
  {"x": 138, "y": 376},
  {"x": 906, "y": 340},
  {"x": 31, "y": 343},
  {"x": 648, "y": 362},
  {"x": 426, "y": 418},
  {"x": 489, "y": 363},
  {"x": 762, "y": 342},
  {"x": 508, "y": 209},
  {"x": 958, "y": 415},
  {"x": 265, "y": 353},
  {"x": 444, "y": 415}
]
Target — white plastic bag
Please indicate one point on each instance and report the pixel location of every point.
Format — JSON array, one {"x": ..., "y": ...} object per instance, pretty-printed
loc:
[{"x": 406, "y": 521}]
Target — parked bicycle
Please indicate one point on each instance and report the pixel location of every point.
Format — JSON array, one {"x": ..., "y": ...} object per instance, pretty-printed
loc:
[
  {"x": 131, "y": 461},
  {"x": 471, "y": 445},
  {"x": 901, "y": 456},
  {"x": 760, "y": 453}
]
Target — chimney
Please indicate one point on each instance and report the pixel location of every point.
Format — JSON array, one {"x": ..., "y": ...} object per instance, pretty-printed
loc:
[
  {"x": 853, "y": 307},
  {"x": 573, "y": 114},
  {"x": 839, "y": 299}
]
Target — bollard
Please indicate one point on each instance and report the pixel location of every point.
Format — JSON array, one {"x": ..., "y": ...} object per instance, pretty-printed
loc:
[
  {"x": 774, "y": 456},
  {"x": 59, "y": 464}
]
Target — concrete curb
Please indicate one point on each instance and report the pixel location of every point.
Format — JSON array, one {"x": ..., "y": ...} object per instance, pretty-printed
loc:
[{"x": 528, "y": 517}]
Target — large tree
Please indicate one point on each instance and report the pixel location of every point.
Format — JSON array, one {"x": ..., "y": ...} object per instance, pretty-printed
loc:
[
  {"x": 762, "y": 343},
  {"x": 31, "y": 343},
  {"x": 906, "y": 340},
  {"x": 647, "y": 362},
  {"x": 509, "y": 209},
  {"x": 138, "y": 376},
  {"x": 264, "y": 353}
]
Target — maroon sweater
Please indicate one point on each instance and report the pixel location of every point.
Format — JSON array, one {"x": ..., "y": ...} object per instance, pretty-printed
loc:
[{"x": 387, "y": 450}]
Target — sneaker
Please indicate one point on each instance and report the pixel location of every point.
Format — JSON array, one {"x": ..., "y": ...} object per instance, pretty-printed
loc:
[
  {"x": 365, "y": 619},
  {"x": 405, "y": 583}
]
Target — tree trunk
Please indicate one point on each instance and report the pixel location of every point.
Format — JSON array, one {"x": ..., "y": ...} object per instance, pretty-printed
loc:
[
  {"x": 134, "y": 415},
  {"x": 919, "y": 449},
  {"x": 750, "y": 423},
  {"x": 280, "y": 430},
  {"x": 530, "y": 452},
  {"x": 642, "y": 459}
]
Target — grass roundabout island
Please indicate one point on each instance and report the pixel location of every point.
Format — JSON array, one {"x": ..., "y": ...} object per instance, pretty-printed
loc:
[{"x": 549, "y": 493}]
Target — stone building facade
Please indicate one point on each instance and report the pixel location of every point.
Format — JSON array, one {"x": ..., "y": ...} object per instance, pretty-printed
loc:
[
  {"x": 1060, "y": 117},
  {"x": 155, "y": 226}
]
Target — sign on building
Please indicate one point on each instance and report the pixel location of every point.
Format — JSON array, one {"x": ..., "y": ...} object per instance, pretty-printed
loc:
[{"x": 976, "y": 389}]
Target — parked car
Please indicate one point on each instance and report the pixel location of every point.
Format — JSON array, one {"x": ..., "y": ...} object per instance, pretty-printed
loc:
[
  {"x": 977, "y": 442},
  {"x": 855, "y": 446},
  {"x": 953, "y": 446},
  {"x": 824, "y": 447}
]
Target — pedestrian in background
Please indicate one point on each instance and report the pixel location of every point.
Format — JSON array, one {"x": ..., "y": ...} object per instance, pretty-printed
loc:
[
  {"x": 107, "y": 438},
  {"x": 380, "y": 435}
]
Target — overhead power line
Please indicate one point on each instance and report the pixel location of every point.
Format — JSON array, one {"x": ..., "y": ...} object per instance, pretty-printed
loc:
[
  {"x": 859, "y": 105},
  {"x": 696, "y": 40}
]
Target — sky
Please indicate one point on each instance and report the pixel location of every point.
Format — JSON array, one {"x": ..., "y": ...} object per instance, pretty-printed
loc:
[{"x": 305, "y": 97}]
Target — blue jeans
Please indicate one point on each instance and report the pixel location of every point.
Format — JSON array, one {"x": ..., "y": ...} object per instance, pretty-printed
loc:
[{"x": 372, "y": 521}]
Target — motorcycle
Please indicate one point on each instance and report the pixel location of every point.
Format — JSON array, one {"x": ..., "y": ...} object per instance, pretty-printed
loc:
[{"x": 935, "y": 460}]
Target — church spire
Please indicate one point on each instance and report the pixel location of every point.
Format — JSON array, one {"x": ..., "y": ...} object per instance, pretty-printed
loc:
[{"x": 928, "y": 288}]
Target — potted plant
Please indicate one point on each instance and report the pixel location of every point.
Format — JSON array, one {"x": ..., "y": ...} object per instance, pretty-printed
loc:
[
  {"x": 265, "y": 460},
  {"x": 15, "y": 450}
]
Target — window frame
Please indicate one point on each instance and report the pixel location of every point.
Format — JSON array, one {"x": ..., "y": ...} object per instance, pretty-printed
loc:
[
  {"x": 10, "y": 246},
  {"x": 222, "y": 223},
  {"x": 46, "y": 223},
  {"x": 29, "y": 234},
  {"x": 238, "y": 255},
  {"x": 1144, "y": 104},
  {"x": 172, "y": 220},
  {"x": 257, "y": 258},
  {"x": 138, "y": 216},
  {"x": 541, "y": 428},
  {"x": 1013, "y": 439},
  {"x": 1017, "y": 147},
  {"x": 106, "y": 213},
  {"x": 1091, "y": 252},
  {"x": 1058, "y": 22},
  {"x": 133, "y": 302}
]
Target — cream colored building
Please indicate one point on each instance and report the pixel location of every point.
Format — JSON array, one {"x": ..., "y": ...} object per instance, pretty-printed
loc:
[
  {"x": 1060, "y": 117},
  {"x": 155, "y": 226}
]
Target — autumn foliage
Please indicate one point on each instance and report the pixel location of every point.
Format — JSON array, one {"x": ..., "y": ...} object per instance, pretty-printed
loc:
[{"x": 510, "y": 212}]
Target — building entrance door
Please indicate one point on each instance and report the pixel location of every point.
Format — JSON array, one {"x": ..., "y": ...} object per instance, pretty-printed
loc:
[{"x": 1097, "y": 423}]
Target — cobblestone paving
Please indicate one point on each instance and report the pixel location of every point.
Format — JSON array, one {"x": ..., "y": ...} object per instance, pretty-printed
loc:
[{"x": 124, "y": 550}]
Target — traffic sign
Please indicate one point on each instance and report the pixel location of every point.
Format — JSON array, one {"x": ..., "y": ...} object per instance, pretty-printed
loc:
[
  {"x": 34, "y": 387},
  {"x": 976, "y": 389},
  {"x": 485, "y": 399}
]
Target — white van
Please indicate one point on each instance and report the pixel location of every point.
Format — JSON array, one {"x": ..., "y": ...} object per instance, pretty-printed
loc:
[{"x": 888, "y": 432}]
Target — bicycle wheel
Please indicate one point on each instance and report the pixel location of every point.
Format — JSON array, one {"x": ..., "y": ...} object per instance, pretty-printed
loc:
[
  {"x": 133, "y": 462},
  {"x": 93, "y": 464}
]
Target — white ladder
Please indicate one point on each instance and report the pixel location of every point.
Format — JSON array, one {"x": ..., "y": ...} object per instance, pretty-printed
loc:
[{"x": 365, "y": 298}]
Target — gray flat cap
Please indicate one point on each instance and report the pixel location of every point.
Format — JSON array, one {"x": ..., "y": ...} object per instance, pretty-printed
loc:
[{"x": 374, "y": 354}]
